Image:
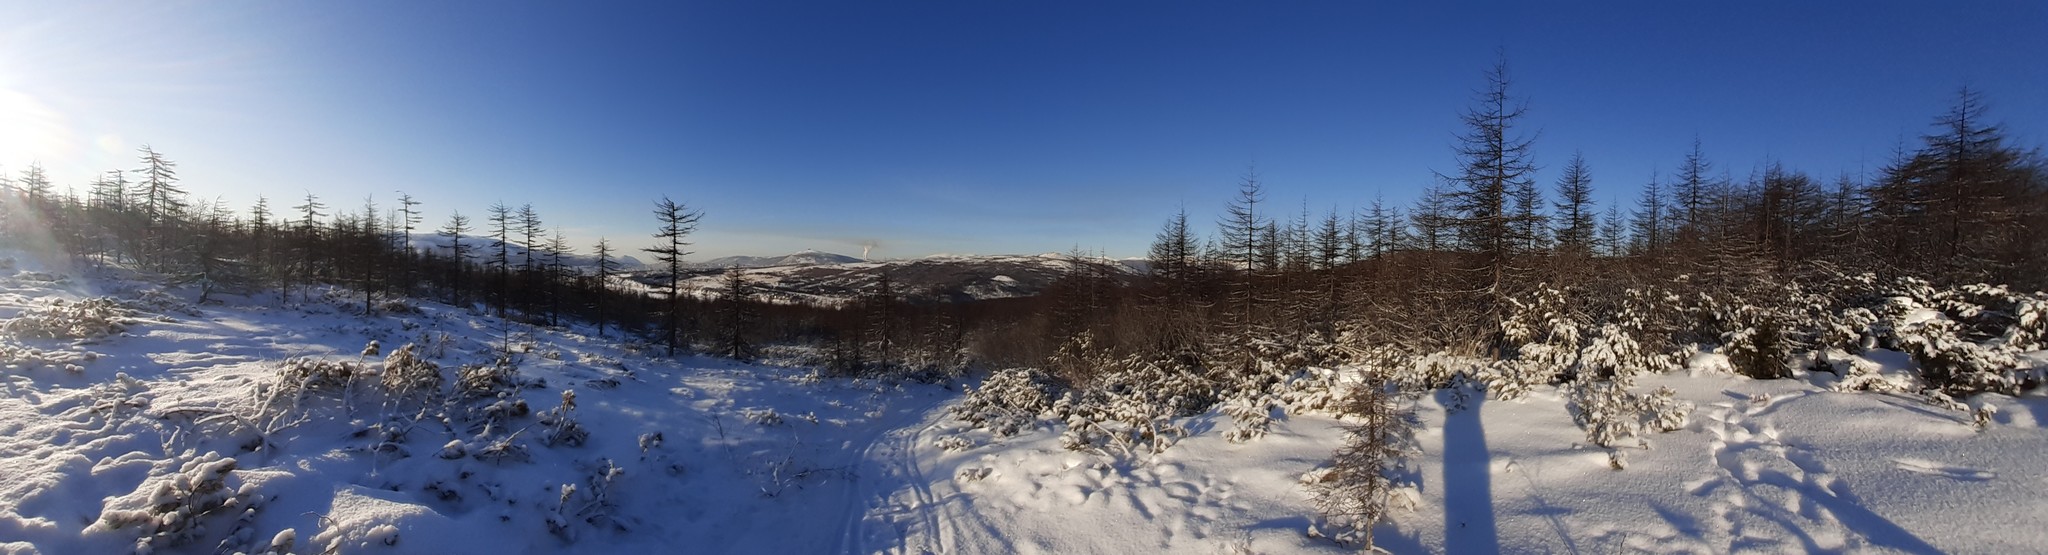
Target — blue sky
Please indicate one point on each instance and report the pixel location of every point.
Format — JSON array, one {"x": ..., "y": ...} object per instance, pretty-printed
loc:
[{"x": 966, "y": 127}]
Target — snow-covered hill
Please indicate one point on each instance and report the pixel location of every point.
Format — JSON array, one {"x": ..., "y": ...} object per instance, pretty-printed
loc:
[
  {"x": 943, "y": 278},
  {"x": 800, "y": 258}
]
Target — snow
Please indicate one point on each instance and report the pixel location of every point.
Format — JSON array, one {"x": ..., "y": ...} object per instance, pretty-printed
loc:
[{"x": 707, "y": 455}]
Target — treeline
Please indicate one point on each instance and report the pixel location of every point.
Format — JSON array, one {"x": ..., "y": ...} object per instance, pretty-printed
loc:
[
  {"x": 1459, "y": 270},
  {"x": 506, "y": 263}
]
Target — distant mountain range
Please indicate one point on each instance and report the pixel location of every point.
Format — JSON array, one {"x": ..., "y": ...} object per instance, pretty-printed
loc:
[
  {"x": 821, "y": 278},
  {"x": 800, "y": 258},
  {"x": 479, "y": 248}
]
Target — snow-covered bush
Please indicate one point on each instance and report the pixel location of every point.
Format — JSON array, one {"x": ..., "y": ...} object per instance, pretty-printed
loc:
[
  {"x": 1360, "y": 485},
  {"x": 168, "y": 510},
  {"x": 762, "y": 417},
  {"x": 19, "y": 357},
  {"x": 1957, "y": 365},
  {"x": 396, "y": 306},
  {"x": 308, "y": 374},
  {"x": 562, "y": 428},
  {"x": 1546, "y": 331},
  {"x": 1615, "y": 352},
  {"x": 1131, "y": 404},
  {"x": 954, "y": 443},
  {"x": 407, "y": 376},
  {"x": 156, "y": 299},
  {"x": 1759, "y": 346},
  {"x": 1862, "y": 375},
  {"x": 591, "y": 504},
  {"x": 1254, "y": 417},
  {"x": 1007, "y": 401},
  {"x": 486, "y": 381},
  {"x": 1965, "y": 340},
  {"x": 87, "y": 319},
  {"x": 1610, "y": 413}
]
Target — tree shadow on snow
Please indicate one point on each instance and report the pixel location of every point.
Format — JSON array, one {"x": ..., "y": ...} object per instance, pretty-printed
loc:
[{"x": 1469, "y": 525}]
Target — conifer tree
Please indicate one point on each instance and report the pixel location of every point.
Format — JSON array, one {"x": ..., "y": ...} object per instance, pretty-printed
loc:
[
  {"x": 606, "y": 268},
  {"x": 501, "y": 221},
  {"x": 455, "y": 230},
  {"x": 738, "y": 315},
  {"x": 1575, "y": 216},
  {"x": 678, "y": 221}
]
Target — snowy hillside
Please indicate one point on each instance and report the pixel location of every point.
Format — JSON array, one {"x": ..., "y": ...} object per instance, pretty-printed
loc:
[{"x": 134, "y": 421}]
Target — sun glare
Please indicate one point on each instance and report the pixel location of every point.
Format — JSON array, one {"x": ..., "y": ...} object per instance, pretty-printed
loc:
[{"x": 28, "y": 125}]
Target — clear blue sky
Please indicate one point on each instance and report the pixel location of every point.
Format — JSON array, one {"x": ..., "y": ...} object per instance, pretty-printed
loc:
[{"x": 966, "y": 127}]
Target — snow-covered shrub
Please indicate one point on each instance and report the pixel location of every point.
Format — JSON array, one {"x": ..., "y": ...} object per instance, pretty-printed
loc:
[
  {"x": 60, "y": 319},
  {"x": 1360, "y": 486},
  {"x": 1435, "y": 370},
  {"x": 486, "y": 381},
  {"x": 1007, "y": 401},
  {"x": 1615, "y": 352},
  {"x": 1862, "y": 375},
  {"x": 1610, "y": 413},
  {"x": 407, "y": 376},
  {"x": 1965, "y": 340},
  {"x": 308, "y": 374},
  {"x": 762, "y": 417},
  {"x": 1254, "y": 417},
  {"x": 501, "y": 449},
  {"x": 1546, "y": 332},
  {"x": 298, "y": 378},
  {"x": 19, "y": 357},
  {"x": 1311, "y": 389},
  {"x": 168, "y": 510},
  {"x": 954, "y": 443},
  {"x": 1957, "y": 365},
  {"x": 561, "y": 424},
  {"x": 1132, "y": 403},
  {"x": 241, "y": 536},
  {"x": 591, "y": 504},
  {"x": 156, "y": 299},
  {"x": 1759, "y": 346}
]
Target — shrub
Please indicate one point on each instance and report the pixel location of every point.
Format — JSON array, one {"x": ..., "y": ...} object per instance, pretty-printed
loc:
[
  {"x": 1610, "y": 413},
  {"x": 88, "y": 319},
  {"x": 1007, "y": 401},
  {"x": 172, "y": 511},
  {"x": 407, "y": 376}
]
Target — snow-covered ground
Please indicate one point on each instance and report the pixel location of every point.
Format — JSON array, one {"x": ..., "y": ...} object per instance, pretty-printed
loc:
[
  {"x": 110, "y": 411},
  {"x": 1781, "y": 466}
]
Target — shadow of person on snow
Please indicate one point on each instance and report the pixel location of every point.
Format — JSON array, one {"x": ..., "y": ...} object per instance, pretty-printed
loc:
[{"x": 1468, "y": 475}]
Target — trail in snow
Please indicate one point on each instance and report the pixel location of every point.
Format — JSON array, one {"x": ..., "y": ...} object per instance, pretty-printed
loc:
[{"x": 1784, "y": 492}]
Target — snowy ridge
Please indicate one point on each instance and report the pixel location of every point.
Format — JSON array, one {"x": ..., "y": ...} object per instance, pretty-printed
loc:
[
  {"x": 943, "y": 277},
  {"x": 479, "y": 249},
  {"x": 799, "y": 258}
]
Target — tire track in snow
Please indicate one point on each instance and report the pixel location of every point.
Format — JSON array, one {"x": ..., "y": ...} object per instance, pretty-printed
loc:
[{"x": 887, "y": 460}]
